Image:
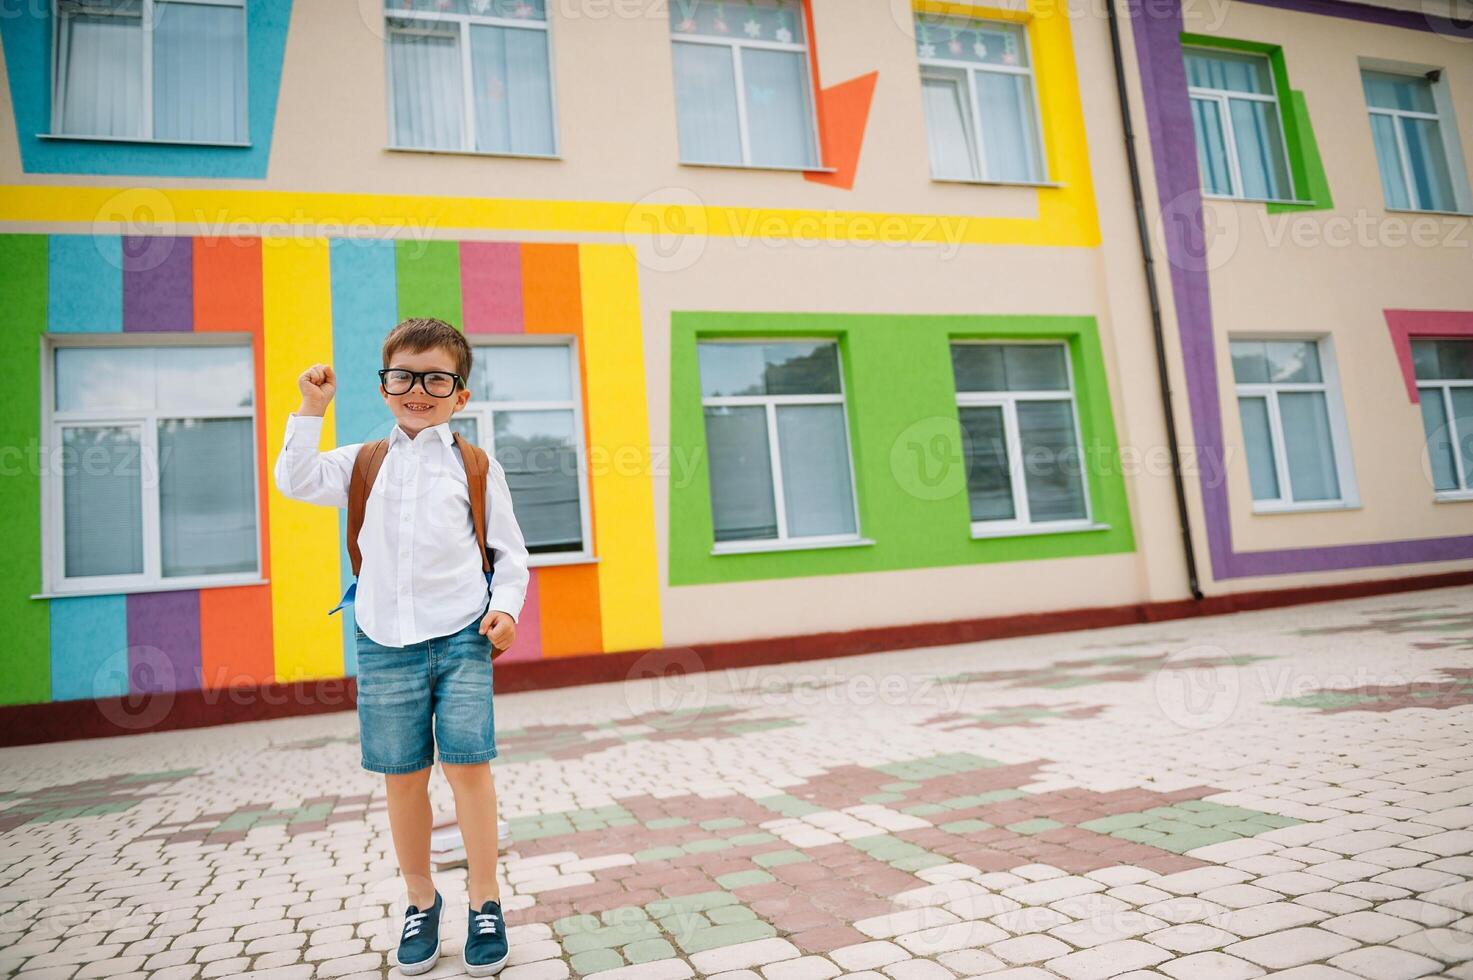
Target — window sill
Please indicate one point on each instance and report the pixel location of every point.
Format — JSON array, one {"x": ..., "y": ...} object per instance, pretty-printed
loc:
[
  {"x": 473, "y": 153},
  {"x": 760, "y": 166},
  {"x": 1452, "y": 497},
  {"x": 1309, "y": 508},
  {"x": 69, "y": 137},
  {"x": 177, "y": 585},
  {"x": 794, "y": 544},
  {"x": 553, "y": 559},
  {"x": 984, "y": 182},
  {"x": 980, "y": 532},
  {"x": 1447, "y": 214},
  {"x": 1258, "y": 200}
]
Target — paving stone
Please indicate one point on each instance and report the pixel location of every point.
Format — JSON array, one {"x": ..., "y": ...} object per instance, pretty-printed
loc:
[
  {"x": 1211, "y": 966},
  {"x": 1292, "y": 947},
  {"x": 1385, "y": 963},
  {"x": 1369, "y": 927},
  {"x": 1108, "y": 960}
]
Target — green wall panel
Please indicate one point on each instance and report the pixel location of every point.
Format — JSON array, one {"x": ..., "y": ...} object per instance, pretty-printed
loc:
[{"x": 905, "y": 436}]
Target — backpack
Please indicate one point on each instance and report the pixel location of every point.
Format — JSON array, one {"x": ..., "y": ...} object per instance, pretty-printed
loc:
[{"x": 370, "y": 460}]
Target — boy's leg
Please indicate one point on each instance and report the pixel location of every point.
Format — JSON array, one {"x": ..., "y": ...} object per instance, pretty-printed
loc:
[
  {"x": 475, "y": 812},
  {"x": 410, "y": 819}
]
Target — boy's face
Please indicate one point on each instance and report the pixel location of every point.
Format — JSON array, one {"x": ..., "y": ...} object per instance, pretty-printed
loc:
[{"x": 417, "y": 409}]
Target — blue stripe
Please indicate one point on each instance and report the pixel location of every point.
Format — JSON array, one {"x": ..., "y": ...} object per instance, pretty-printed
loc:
[
  {"x": 365, "y": 307},
  {"x": 86, "y": 284},
  {"x": 89, "y": 647}
]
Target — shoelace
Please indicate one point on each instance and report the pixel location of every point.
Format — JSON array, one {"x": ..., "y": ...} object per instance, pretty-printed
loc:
[
  {"x": 486, "y": 922},
  {"x": 411, "y": 923}
]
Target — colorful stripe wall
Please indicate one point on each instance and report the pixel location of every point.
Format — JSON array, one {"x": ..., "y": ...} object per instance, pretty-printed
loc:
[
  {"x": 1157, "y": 34},
  {"x": 305, "y": 300}
]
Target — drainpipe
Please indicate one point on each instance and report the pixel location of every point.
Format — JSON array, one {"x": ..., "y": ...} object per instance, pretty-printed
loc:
[{"x": 1148, "y": 262}]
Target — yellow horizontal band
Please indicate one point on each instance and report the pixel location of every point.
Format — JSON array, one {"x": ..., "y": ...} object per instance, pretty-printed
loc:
[{"x": 1066, "y": 217}]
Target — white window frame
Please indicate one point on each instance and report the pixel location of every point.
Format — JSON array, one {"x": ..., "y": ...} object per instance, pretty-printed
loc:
[
  {"x": 484, "y": 412},
  {"x": 770, "y": 403},
  {"x": 463, "y": 24},
  {"x": 977, "y": 141},
  {"x": 1442, "y": 388},
  {"x": 1220, "y": 97},
  {"x": 1329, "y": 386},
  {"x": 146, "y": 18},
  {"x": 53, "y": 421},
  {"x": 1022, "y": 521},
  {"x": 1446, "y": 128},
  {"x": 734, "y": 44}
]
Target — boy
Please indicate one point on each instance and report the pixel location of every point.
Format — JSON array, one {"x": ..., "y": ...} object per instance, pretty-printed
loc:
[{"x": 426, "y": 624}]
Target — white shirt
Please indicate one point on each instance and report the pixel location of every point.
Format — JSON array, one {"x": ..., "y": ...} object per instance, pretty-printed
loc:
[{"x": 421, "y": 573}]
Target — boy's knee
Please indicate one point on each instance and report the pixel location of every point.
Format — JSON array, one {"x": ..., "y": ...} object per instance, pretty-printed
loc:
[{"x": 408, "y": 781}]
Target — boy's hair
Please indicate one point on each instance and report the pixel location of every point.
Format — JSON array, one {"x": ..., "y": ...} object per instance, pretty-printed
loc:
[{"x": 421, "y": 333}]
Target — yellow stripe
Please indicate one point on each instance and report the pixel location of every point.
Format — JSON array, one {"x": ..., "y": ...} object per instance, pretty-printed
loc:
[
  {"x": 944, "y": 8},
  {"x": 305, "y": 542},
  {"x": 142, "y": 210},
  {"x": 619, "y": 449},
  {"x": 1062, "y": 116}
]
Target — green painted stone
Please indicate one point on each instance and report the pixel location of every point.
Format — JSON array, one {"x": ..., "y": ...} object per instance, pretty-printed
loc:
[
  {"x": 924, "y": 809},
  {"x": 665, "y": 823},
  {"x": 1035, "y": 826},
  {"x": 966, "y": 826},
  {"x": 699, "y": 902},
  {"x": 570, "y": 924},
  {"x": 882, "y": 798},
  {"x": 1115, "y": 822},
  {"x": 595, "y": 960},
  {"x": 723, "y": 823},
  {"x": 726, "y": 914},
  {"x": 1180, "y": 843},
  {"x": 740, "y": 879},
  {"x": 774, "y": 858},
  {"x": 919, "y": 862},
  {"x": 725, "y": 935},
  {"x": 1138, "y": 834},
  {"x": 649, "y": 950},
  {"x": 756, "y": 837}
]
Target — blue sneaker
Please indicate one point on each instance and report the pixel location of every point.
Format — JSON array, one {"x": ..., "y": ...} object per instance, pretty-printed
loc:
[
  {"x": 419, "y": 947},
  {"x": 486, "y": 948}
]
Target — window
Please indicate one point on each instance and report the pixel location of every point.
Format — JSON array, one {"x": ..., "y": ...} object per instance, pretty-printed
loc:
[
  {"x": 524, "y": 410},
  {"x": 155, "y": 480},
  {"x": 470, "y": 75},
  {"x": 1444, "y": 370},
  {"x": 1293, "y": 430},
  {"x": 1240, "y": 140},
  {"x": 977, "y": 93},
  {"x": 1020, "y": 435},
  {"x": 742, "y": 89},
  {"x": 778, "y": 442},
  {"x": 150, "y": 70},
  {"x": 1409, "y": 145}
]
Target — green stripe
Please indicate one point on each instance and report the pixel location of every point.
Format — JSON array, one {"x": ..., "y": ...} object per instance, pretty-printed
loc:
[
  {"x": 906, "y": 443},
  {"x": 429, "y": 280},
  {"x": 25, "y": 657}
]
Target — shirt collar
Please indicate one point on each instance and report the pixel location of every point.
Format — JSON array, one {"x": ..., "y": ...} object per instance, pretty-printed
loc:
[{"x": 441, "y": 431}]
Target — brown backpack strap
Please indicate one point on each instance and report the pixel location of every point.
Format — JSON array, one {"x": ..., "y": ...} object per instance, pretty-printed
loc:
[
  {"x": 366, "y": 464},
  {"x": 476, "y": 464}
]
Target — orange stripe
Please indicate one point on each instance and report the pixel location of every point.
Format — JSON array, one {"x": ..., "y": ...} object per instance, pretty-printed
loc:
[
  {"x": 552, "y": 302},
  {"x": 236, "y": 643}
]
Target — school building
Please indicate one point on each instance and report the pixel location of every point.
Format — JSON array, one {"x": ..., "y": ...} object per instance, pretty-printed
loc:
[{"x": 802, "y": 327}]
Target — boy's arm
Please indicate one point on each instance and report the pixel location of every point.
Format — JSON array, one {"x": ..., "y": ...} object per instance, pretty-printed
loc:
[
  {"x": 303, "y": 473},
  {"x": 509, "y": 574}
]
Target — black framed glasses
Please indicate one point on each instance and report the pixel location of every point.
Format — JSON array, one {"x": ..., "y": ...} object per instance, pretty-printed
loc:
[{"x": 440, "y": 384}]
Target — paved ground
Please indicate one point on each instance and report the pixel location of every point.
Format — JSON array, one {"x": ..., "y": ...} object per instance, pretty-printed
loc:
[{"x": 1286, "y": 793}]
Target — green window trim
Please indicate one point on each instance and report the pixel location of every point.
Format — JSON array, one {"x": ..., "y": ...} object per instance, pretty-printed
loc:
[
  {"x": 1310, "y": 183},
  {"x": 905, "y": 442}
]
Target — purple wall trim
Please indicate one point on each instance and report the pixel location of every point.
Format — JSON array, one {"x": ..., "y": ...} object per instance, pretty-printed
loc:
[
  {"x": 1157, "y": 34},
  {"x": 163, "y": 642},
  {"x": 158, "y": 283},
  {"x": 1408, "y": 19}
]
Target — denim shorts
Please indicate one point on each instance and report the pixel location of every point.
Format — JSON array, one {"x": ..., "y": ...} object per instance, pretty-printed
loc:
[{"x": 446, "y": 680}]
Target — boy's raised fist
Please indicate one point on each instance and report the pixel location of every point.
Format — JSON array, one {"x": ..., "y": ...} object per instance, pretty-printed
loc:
[{"x": 318, "y": 384}]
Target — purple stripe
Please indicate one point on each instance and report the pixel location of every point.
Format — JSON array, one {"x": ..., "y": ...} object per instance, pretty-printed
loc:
[
  {"x": 1157, "y": 30},
  {"x": 163, "y": 642},
  {"x": 158, "y": 283},
  {"x": 1410, "y": 20}
]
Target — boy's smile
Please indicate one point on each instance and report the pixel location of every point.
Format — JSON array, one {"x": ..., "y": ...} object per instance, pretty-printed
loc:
[{"x": 416, "y": 409}]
